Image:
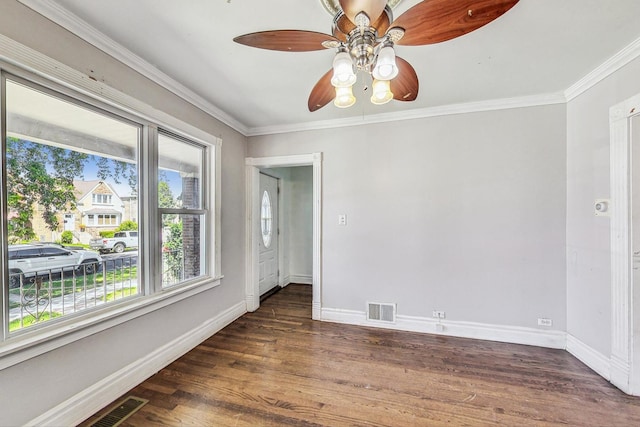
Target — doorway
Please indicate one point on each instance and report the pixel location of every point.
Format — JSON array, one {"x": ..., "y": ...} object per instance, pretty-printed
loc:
[
  {"x": 625, "y": 280},
  {"x": 253, "y": 226},
  {"x": 69, "y": 222},
  {"x": 268, "y": 244}
]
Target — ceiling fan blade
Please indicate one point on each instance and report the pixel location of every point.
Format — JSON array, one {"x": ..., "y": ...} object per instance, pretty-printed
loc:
[
  {"x": 434, "y": 21},
  {"x": 382, "y": 23},
  {"x": 285, "y": 40},
  {"x": 405, "y": 85},
  {"x": 373, "y": 8},
  {"x": 322, "y": 93}
]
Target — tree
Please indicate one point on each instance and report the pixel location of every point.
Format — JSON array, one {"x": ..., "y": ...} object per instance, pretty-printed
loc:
[
  {"x": 42, "y": 175},
  {"x": 172, "y": 248},
  {"x": 165, "y": 199},
  {"x": 165, "y": 195}
]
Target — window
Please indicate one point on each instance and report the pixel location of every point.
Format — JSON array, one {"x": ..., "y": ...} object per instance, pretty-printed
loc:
[
  {"x": 107, "y": 220},
  {"x": 182, "y": 207},
  {"x": 104, "y": 199},
  {"x": 102, "y": 220},
  {"x": 57, "y": 144},
  {"x": 52, "y": 142},
  {"x": 266, "y": 219}
]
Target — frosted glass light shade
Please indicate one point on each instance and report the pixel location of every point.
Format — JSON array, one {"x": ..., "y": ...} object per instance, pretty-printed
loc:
[
  {"x": 381, "y": 92},
  {"x": 386, "y": 68},
  {"x": 343, "y": 75},
  {"x": 344, "y": 97}
]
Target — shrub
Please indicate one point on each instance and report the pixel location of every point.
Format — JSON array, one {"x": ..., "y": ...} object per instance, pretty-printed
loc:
[
  {"x": 127, "y": 226},
  {"x": 66, "y": 238},
  {"x": 107, "y": 234}
]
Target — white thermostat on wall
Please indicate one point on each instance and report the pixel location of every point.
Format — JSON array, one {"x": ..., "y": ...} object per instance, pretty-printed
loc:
[{"x": 601, "y": 207}]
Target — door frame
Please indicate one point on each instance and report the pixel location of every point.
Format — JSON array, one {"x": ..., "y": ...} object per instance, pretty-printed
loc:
[
  {"x": 252, "y": 210},
  {"x": 625, "y": 315}
]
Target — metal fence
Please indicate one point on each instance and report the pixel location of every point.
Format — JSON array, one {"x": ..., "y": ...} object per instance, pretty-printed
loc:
[
  {"x": 172, "y": 266},
  {"x": 50, "y": 294}
]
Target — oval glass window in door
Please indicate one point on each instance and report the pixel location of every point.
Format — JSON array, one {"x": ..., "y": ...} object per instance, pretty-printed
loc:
[{"x": 266, "y": 219}]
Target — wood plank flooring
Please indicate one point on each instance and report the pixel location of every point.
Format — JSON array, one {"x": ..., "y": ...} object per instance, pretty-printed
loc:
[{"x": 276, "y": 367}]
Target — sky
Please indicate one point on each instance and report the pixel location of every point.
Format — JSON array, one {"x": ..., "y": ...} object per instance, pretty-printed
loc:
[{"x": 123, "y": 189}]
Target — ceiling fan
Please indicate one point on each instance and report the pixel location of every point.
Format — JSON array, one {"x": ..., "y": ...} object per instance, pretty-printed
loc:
[{"x": 364, "y": 35}]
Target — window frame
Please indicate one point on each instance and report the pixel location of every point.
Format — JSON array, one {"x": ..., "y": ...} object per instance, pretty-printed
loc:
[
  {"x": 18, "y": 347},
  {"x": 204, "y": 210}
]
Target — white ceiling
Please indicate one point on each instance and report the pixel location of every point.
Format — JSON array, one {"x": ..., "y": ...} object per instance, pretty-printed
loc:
[{"x": 540, "y": 47}]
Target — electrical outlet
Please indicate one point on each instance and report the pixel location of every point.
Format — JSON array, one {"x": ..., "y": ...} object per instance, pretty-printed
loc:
[
  {"x": 438, "y": 314},
  {"x": 544, "y": 322}
]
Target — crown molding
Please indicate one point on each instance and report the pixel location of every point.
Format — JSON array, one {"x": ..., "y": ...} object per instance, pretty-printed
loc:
[
  {"x": 610, "y": 66},
  {"x": 421, "y": 113},
  {"x": 77, "y": 26}
]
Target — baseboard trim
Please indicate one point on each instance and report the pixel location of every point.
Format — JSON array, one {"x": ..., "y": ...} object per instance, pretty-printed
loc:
[
  {"x": 304, "y": 279},
  {"x": 89, "y": 401},
  {"x": 590, "y": 357},
  {"x": 316, "y": 311},
  {"x": 489, "y": 332}
]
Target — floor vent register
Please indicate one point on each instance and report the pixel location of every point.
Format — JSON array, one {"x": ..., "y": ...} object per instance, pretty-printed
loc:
[{"x": 120, "y": 412}]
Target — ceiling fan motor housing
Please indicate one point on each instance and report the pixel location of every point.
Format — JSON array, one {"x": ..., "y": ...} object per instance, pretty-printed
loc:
[
  {"x": 361, "y": 47},
  {"x": 333, "y": 6}
]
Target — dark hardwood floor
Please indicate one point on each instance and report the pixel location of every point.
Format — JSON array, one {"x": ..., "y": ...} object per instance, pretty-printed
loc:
[{"x": 276, "y": 367}]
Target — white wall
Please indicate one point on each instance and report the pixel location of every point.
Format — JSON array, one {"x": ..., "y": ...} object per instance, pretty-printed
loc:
[
  {"x": 588, "y": 244},
  {"x": 462, "y": 213},
  {"x": 29, "y": 389}
]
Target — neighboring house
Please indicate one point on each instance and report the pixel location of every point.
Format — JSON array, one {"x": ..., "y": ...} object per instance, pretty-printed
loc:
[
  {"x": 98, "y": 208},
  {"x": 130, "y": 212}
]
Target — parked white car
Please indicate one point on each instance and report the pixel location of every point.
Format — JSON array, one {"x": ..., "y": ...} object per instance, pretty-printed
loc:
[
  {"x": 34, "y": 259},
  {"x": 117, "y": 243}
]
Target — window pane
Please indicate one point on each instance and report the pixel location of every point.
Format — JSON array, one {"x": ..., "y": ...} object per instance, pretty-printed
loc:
[
  {"x": 65, "y": 161},
  {"x": 180, "y": 173},
  {"x": 183, "y": 255},
  {"x": 266, "y": 219}
]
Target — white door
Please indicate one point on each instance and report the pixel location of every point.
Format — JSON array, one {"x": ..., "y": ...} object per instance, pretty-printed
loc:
[
  {"x": 69, "y": 222},
  {"x": 268, "y": 247},
  {"x": 635, "y": 202}
]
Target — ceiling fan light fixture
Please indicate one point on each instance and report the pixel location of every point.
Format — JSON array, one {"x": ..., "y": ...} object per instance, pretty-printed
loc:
[
  {"x": 343, "y": 75},
  {"x": 386, "y": 67},
  {"x": 381, "y": 92},
  {"x": 344, "y": 97}
]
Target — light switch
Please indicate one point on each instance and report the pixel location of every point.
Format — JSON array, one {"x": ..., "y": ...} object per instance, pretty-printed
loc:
[{"x": 342, "y": 219}]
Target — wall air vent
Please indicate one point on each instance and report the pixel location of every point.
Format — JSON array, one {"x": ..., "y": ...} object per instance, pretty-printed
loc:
[{"x": 381, "y": 312}]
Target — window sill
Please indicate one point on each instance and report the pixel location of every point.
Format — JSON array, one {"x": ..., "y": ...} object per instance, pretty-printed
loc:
[{"x": 30, "y": 344}]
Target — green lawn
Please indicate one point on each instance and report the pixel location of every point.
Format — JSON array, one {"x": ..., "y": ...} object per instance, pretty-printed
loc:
[
  {"x": 121, "y": 293},
  {"x": 80, "y": 284},
  {"x": 31, "y": 320}
]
